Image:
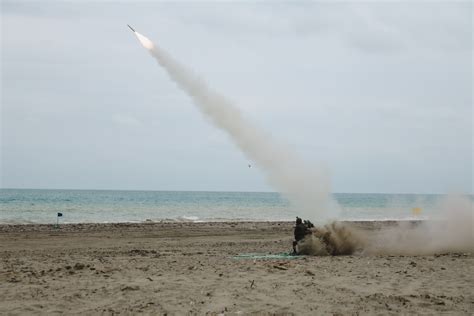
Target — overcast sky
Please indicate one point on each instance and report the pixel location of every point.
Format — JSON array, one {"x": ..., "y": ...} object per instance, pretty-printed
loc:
[{"x": 379, "y": 93}]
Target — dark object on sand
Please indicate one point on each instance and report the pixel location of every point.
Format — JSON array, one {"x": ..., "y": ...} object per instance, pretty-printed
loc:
[
  {"x": 57, "y": 219},
  {"x": 302, "y": 229}
]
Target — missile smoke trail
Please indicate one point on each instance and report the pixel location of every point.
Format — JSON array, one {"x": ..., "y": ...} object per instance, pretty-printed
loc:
[{"x": 307, "y": 189}]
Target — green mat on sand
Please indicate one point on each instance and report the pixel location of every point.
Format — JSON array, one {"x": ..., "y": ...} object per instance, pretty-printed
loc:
[{"x": 280, "y": 256}]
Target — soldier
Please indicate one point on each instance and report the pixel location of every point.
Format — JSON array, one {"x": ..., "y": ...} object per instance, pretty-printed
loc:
[{"x": 301, "y": 230}]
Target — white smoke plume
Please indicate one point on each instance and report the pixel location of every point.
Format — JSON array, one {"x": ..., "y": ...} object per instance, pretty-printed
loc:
[
  {"x": 451, "y": 231},
  {"x": 307, "y": 189}
]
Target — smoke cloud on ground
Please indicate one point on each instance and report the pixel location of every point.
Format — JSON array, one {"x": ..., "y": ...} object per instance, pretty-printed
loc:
[
  {"x": 333, "y": 239},
  {"x": 307, "y": 189},
  {"x": 451, "y": 231}
]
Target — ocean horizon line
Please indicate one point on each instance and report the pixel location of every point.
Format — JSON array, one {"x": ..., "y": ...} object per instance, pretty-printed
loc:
[{"x": 227, "y": 191}]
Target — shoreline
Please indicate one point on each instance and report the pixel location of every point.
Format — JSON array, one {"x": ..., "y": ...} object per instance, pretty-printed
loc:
[{"x": 148, "y": 225}]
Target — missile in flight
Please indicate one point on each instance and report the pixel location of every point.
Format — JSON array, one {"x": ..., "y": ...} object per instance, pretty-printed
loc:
[{"x": 143, "y": 39}]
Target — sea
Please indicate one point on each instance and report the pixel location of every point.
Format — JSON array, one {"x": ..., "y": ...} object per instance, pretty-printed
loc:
[{"x": 27, "y": 206}]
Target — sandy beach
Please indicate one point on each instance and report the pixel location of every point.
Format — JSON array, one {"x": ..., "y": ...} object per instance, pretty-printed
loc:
[{"x": 192, "y": 268}]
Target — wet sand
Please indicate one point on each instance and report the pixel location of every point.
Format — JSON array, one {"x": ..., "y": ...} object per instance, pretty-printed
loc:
[{"x": 189, "y": 268}]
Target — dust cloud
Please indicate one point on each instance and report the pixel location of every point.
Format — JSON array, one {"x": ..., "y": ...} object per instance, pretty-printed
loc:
[{"x": 450, "y": 231}]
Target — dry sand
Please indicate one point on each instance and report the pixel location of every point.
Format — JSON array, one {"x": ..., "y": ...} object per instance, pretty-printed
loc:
[{"x": 189, "y": 268}]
